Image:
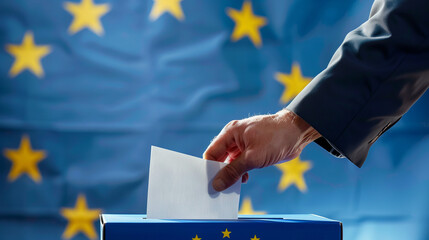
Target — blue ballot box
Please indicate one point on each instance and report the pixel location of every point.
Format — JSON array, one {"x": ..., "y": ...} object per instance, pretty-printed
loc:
[{"x": 255, "y": 227}]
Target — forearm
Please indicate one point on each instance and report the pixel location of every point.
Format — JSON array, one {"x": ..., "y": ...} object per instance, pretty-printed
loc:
[{"x": 375, "y": 76}]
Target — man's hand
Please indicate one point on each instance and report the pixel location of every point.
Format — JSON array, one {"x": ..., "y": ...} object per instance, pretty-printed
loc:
[{"x": 258, "y": 142}]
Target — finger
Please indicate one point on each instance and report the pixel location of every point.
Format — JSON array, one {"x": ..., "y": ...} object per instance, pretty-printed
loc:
[
  {"x": 232, "y": 154},
  {"x": 245, "y": 178},
  {"x": 230, "y": 174},
  {"x": 218, "y": 148}
]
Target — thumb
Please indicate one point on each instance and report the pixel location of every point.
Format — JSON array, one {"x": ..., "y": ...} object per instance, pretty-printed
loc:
[{"x": 230, "y": 174}]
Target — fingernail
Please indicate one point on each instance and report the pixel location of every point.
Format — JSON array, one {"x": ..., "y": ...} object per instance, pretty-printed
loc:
[{"x": 218, "y": 185}]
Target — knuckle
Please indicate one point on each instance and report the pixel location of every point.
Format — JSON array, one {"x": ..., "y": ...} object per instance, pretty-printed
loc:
[
  {"x": 232, "y": 125},
  {"x": 251, "y": 132}
]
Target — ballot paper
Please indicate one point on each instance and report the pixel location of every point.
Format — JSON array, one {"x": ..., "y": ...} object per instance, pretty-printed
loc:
[{"x": 180, "y": 187}]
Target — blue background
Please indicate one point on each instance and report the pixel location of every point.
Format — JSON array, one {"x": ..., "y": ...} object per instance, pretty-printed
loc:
[{"x": 104, "y": 100}]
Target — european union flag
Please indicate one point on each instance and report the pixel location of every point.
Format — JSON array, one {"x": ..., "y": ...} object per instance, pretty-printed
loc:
[{"x": 87, "y": 86}]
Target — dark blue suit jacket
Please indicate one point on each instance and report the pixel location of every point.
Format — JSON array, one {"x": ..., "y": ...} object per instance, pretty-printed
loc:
[{"x": 376, "y": 75}]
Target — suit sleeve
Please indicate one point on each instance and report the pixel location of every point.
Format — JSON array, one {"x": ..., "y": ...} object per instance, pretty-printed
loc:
[{"x": 379, "y": 71}]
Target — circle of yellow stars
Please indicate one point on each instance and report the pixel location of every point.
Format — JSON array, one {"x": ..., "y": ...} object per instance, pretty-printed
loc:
[
  {"x": 24, "y": 161},
  {"x": 86, "y": 14},
  {"x": 246, "y": 209},
  {"x": 226, "y": 234}
]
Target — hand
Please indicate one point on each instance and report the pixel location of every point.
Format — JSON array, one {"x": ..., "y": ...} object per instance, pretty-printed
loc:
[{"x": 258, "y": 142}]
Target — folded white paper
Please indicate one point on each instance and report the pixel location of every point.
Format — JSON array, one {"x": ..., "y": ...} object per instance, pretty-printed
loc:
[{"x": 180, "y": 188}]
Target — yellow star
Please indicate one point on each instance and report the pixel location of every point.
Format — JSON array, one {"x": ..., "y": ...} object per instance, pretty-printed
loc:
[
  {"x": 246, "y": 24},
  {"x": 86, "y": 14},
  {"x": 247, "y": 209},
  {"x": 293, "y": 173},
  {"x": 161, "y": 6},
  {"x": 294, "y": 83},
  {"x": 196, "y": 238},
  {"x": 24, "y": 160},
  {"x": 27, "y": 56},
  {"x": 80, "y": 219},
  {"x": 255, "y": 238},
  {"x": 226, "y": 233}
]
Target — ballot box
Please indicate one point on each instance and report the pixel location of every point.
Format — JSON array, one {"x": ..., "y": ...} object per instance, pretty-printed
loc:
[{"x": 255, "y": 227}]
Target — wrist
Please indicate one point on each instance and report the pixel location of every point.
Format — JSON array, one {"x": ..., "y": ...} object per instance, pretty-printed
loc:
[{"x": 307, "y": 133}]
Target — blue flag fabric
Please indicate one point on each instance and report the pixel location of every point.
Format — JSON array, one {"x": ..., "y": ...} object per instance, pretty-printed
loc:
[{"x": 87, "y": 86}]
